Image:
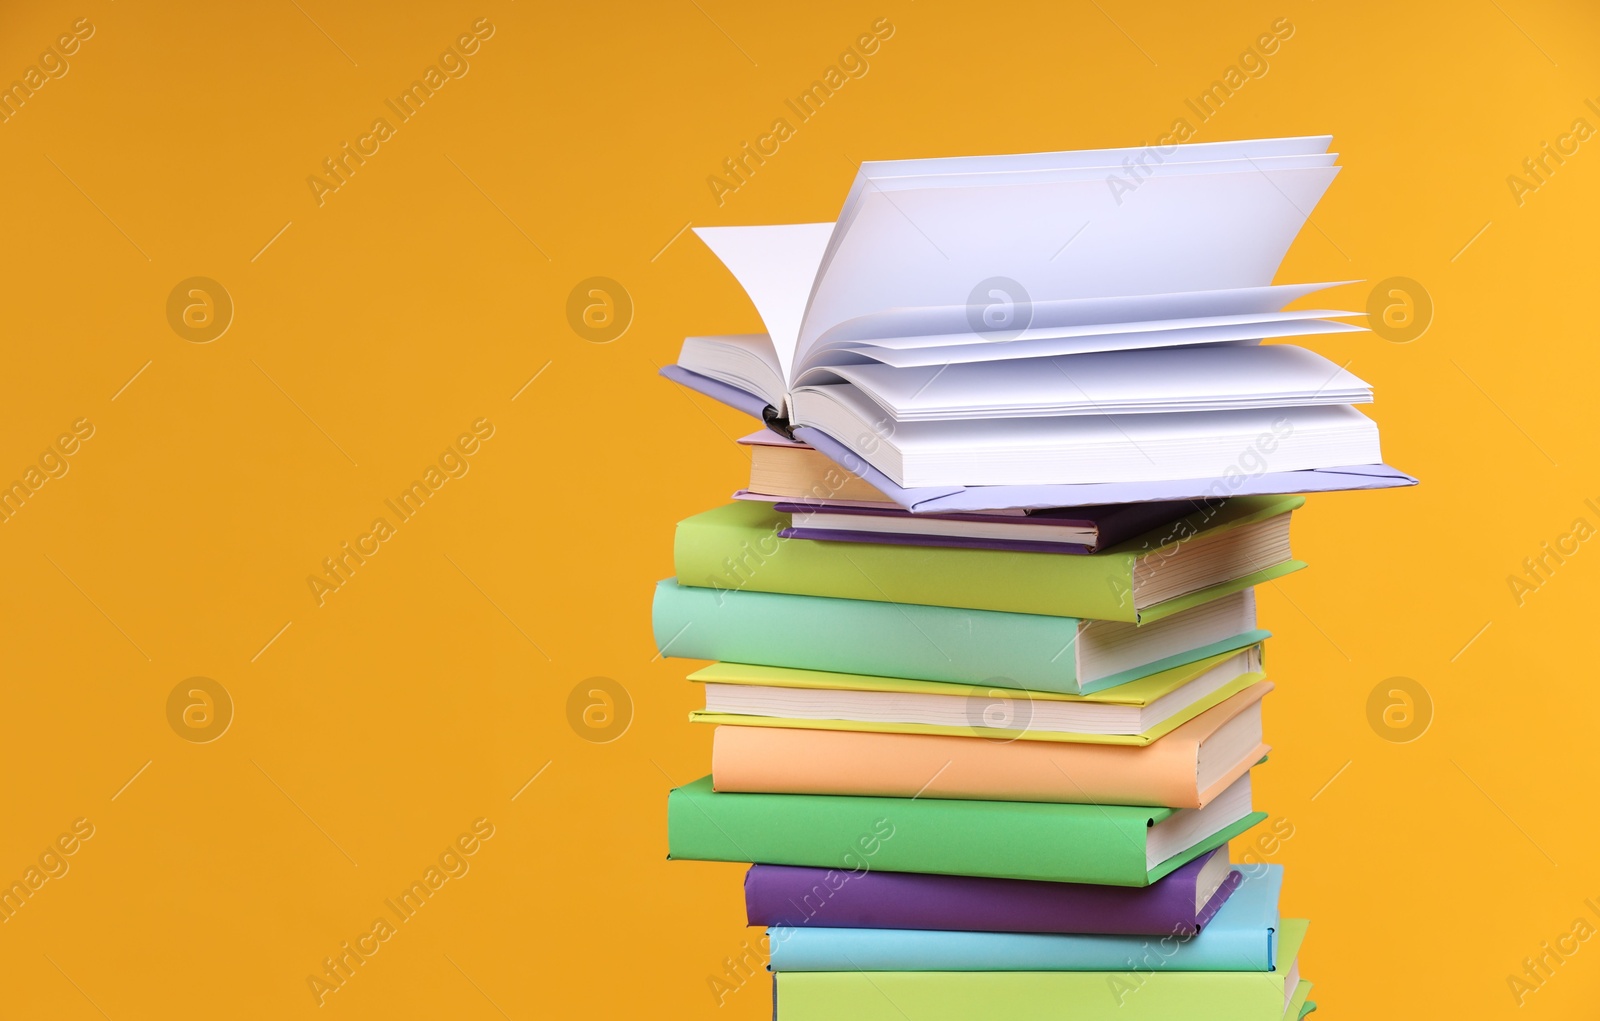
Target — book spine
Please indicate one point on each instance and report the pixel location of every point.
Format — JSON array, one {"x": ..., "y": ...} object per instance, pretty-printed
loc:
[
  {"x": 735, "y": 549},
  {"x": 1010, "y": 840},
  {"x": 1218, "y": 899},
  {"x": 855, "y": 636}
]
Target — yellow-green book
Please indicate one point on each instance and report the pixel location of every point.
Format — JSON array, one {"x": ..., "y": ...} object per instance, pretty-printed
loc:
[
  {"x": 1135, "y": 713},
  {"x": 1211, "y": 553}
]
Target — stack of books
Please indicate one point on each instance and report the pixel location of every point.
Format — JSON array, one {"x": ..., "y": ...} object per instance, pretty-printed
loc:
[{"x": 987, "y": 677}]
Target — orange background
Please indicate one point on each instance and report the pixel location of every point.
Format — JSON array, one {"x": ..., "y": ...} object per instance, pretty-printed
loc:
[{"x": 370, "y": 331}]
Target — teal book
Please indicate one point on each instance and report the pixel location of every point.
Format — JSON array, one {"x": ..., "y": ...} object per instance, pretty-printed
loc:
[
  {"x": 939, "y": 643},
  {"x": 1242, "y": 936},
  {"x": 1109, "y": 845}
]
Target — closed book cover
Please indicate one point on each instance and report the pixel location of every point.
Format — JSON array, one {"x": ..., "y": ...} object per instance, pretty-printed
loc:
[
  {"x": 1146, "y": 992},
  {"x": 737, "y": 547},
  {"x": 1165, "y": 701},
  {"x": 1106, "y": 526},
  {"x": 1106, "y": 844},
  {"x": 913, "y": 539},
  {"x": 1167, "y": 773},
  {"x": 934, "y": 643},
  {"x": 1241, "y": 937},
  {"x": 1177, "y": 904}
]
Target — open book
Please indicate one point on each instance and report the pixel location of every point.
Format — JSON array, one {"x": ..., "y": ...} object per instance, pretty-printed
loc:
[{"x": 1005, "y": 321}]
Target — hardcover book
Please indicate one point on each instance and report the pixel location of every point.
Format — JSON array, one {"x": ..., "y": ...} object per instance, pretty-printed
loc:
[
  {"x": 1135, "y": 713},
  {"x": 1207, "y": 555},
  {"x": 1185, "y": 769},
  {"x": 938, "y": 643},
  {"x": 1177, "y": 905},
  {"x": 785, "y": 469},
  {"x": 1062, "y": 530},
  {"x": 1241, "y": 937},
  {"x": 1115, "y": 845},
  {"x": 1143, "y": 991}
]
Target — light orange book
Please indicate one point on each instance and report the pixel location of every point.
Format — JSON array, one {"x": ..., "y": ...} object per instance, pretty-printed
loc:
[
  {"x": 1184, "y": 769},
  {"x": 786, "y": 469}
]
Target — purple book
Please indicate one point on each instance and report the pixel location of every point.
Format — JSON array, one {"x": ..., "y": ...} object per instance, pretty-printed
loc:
[
  {"x": 1177, "y": 905},
  {"x": 953, "y": 541},
  {"x": 1112, "y": 524}
]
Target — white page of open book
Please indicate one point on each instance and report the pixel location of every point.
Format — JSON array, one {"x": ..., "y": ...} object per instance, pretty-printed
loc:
[
  {"x": 1115, "y": 177},
  {"x": 952, "y": 320},
  {"x": 1071, "y": 239},
  {"x": 1112, "y": 382},
  {"x": 1047, "y": 346},
  {"x": 776, "y": 266},
  {"x": 1090, "y": 165},
  {"x": 1038, "y": 330},
  {"x": 1018, "y": 436},
  {"x": 1101, "y": 173},
  {"x": 1187, "y": 152},
  {"x": 1041, "y": 450},
  {"x": 882, "y": 170}
]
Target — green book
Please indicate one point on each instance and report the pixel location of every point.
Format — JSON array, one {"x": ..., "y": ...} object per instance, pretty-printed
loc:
[
  {"x": 1209, "y": 554},
  {"x": 1107, "y": 845},
  {"x": 1145, "y": 992},
  {"x": 942, "y": 643}
]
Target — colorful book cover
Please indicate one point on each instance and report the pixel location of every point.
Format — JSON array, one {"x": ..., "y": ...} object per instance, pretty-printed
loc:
[
  {"x": 793, "y": 896},
  {"x": 1105, "y": 844},
  {"x": 933, "y": 643},
  {"x": 737, "y": 547},
  {"x": 1146, "y": 992},
  {"x": 982, "y": 704},
  {"x": 1111, "y": 523},
  {"x": 1165, "y": 773},
  {"x": 1241, "y": 937}
]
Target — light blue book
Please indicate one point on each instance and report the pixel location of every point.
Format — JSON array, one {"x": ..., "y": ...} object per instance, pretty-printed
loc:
[{"x": 1243, "y": 936}]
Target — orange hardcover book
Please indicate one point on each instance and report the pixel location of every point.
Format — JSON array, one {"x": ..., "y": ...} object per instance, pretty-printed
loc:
[{"x": 1184, "y": 769}]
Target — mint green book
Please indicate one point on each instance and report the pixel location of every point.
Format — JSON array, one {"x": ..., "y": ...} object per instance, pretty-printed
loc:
[
  {"x": 940, "y": 643},
  {"x": 1144, "y": 992},
  {"x": 1183, "y": 564},
  {"x": 1108, "y": 845}
]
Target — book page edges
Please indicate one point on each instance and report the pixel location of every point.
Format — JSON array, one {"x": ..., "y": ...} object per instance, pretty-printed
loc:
[
  {"x": 1210, "y": 843},
  {"x": 1153, "y": 734},
  {"x": 1146, "y": 689},
  {"x": 1147, "y": 614}
]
